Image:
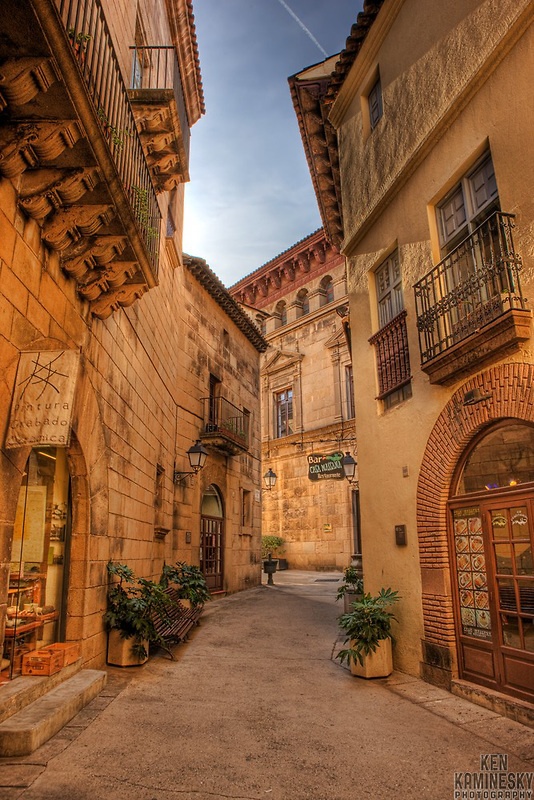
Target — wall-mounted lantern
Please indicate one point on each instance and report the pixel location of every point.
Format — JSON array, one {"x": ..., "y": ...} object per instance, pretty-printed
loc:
[
  {"x": 197, "y": 455},
  {"x": 349, "y": 467},
  {"x": 269, "y": 479}
]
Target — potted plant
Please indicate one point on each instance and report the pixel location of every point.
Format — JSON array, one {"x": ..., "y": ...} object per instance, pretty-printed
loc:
[
  {"x": 275, "y": 546},
  {"x": 128, "y": 619},
  {"x": 351, "y": 589},
  {"x": 368, "y": 631},
  {"x": 79, "y": 41},
  {"x": 190, "y": 582}
]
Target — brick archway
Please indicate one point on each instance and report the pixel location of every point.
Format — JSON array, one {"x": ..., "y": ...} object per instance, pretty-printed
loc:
[{"x": 510, "y": 394}]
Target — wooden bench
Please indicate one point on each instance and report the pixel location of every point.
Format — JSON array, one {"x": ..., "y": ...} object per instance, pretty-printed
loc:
[{"x": 174, "y": 621}]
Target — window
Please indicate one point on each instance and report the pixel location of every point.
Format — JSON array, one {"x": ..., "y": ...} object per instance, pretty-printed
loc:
[
  {"x": 391, "y": 341},
  {"x": 374, "y": 99},
  {"x": 326, "y": 291},
  {"x": 281, "y": 311},
  {"x": 246, "y": 508},
  {"x": 214, "y": 400},
  {"x": 469, "y": 203},
  {"x": 283, "y": 410},
  {"x": 349, "y": 392},
  {"x": 389, "y": 289},
  {"x": 304, "y": 302}
]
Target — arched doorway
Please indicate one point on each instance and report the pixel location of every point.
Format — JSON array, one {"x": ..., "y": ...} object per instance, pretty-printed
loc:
[
  {"x": 212, "y": 538},
  {"x": 40, "y": 553},
  {"x": 491, "y": 540}
]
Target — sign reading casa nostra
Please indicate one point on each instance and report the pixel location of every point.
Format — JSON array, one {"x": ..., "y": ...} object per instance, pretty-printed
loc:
[
  {"x": 322, "y": 468},
  {"x": 41, "y": 410}
]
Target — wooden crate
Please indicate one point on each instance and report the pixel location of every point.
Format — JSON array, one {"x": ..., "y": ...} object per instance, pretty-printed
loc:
[
  {"x": 71, "y": 651},
  {"x": 42, "y": 662}
]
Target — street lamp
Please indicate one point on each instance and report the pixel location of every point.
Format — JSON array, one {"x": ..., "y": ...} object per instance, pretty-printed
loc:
[
  {"x": 269, "y": 479},
  {"x": 197, "y": 455},
  {"x": 349, "y": 467}
]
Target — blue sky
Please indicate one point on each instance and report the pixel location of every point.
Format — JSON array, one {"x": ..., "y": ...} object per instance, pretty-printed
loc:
[{"x": 250, "y": 195}]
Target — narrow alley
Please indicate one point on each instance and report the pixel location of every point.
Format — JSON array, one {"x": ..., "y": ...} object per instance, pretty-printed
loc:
[{"x": 256, "y": 706}]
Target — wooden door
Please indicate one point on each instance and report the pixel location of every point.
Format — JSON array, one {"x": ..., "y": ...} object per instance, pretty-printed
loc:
[{"x": 492, "y": 546}]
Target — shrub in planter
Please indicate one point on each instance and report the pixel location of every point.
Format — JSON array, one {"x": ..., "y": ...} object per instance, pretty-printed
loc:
[
  {"x": 189, "y": 580},
  {"x": 131, "y": 604},
  {"x": 352, "y": 585},
  {"x": 273, "y": 545},
  {"x": 366, "y": 626}
]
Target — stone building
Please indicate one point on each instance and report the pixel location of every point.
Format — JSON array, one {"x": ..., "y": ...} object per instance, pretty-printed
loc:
[
  {"x": 307, "y": 402},
  {"x": 432, "y": 127},
  {"x": 116, "y": 352}
]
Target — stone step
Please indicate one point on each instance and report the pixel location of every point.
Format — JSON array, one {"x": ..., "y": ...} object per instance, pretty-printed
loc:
[
  {"x": 32, "y": 726},
  {"x": 25, "y": 689}
]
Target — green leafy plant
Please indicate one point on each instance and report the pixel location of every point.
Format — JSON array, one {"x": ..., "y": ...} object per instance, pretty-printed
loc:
[
  {"x": 81, "y": 38},
  {"x": 142, "y": 212},
  {"x": 189, "y": 580},
  {"x": 273, "y": 545},
  {"x": 131, "y": 604},
  {"x": 352, "y": 583},
  {"x": 367, "y": 624},
  {"x": 114, "y": 134}
]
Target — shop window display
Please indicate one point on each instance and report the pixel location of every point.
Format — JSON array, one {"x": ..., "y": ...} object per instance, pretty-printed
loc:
[{"x": 37, "y": 581}]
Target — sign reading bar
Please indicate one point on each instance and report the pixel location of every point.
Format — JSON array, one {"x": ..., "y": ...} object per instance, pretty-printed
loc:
[
  {"x": 41, "y": 410},
  {"x": 322, "y": 468}
]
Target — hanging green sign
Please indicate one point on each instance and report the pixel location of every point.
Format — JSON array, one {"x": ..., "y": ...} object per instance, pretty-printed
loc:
[{"x": 321, "y": 467}]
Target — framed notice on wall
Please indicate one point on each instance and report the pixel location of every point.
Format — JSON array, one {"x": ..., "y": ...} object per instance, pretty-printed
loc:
[{"x": 29, "y": 530}]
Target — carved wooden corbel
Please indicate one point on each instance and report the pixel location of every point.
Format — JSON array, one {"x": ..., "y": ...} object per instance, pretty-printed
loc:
[
  {"x": 81, "y": 258},
  {"x": 107, "y": 303},
  {"x": 25, "y": 145},
  {"x": 113, "y": 277},
  {"x": 43, "y": 191},
  {"x": 21, "y": 79},
  {"x": 70, "y": 224}
]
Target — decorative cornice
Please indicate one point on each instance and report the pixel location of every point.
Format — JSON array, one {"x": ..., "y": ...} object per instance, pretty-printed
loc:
[{"x": 311, "y": 255}]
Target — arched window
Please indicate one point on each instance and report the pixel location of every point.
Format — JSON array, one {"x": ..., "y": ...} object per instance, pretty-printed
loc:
[
  {"x": 326, "y": 291},
  {"x": 281, "y": 310},
  {"x": 304, "y": 302},
  {"x": 504, "y": 457}
]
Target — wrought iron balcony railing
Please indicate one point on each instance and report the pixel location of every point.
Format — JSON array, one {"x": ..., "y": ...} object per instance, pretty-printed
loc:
[
  {"x": 155, "y": 69},
  {"x": 472, "y": 286},
  {"x": 87, "y": 29},
  {"x": 223, "y": 419},
  {"x": 392, "y": 356}
]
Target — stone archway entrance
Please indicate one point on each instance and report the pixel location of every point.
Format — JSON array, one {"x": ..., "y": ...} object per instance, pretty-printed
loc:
[{"x": 212, "y": 538}]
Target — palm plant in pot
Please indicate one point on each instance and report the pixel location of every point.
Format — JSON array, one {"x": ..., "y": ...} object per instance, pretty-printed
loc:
[
  {"x": 367, "y": 629},
  {"x": 189, "y": 581},
  {"x": 132, "y": 602}
]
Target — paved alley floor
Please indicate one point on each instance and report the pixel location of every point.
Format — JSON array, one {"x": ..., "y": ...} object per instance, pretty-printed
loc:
[{"x": 255, "y": 707}]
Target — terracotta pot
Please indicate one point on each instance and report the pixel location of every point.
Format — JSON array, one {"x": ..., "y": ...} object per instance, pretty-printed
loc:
[{"x": 376, "y": 665}]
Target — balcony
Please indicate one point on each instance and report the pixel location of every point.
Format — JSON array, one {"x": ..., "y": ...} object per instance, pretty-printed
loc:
[
  {"x": 226, "y": 427},
  {"x": 470, "y": 307},
  {"x": 69, "y": 143},
  {"x": 158, "y": 104},
  {"x": 392, "y": 356}
]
